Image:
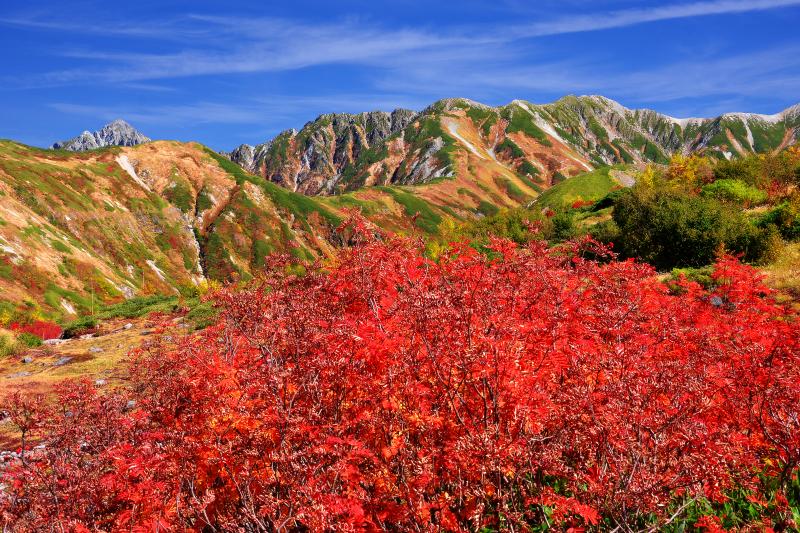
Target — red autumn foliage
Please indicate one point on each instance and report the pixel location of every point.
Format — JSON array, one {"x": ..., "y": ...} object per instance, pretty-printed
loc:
[
  {"x": 579, "y": 203},
  {"x": 390, "y": 392},
  {"x": 41, "y": 328}
]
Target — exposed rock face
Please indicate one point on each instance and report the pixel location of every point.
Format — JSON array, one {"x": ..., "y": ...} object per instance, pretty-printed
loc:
[
  {"x": 244, "y": 156},
  {"x": 341, "y": 152},
  {"x": 315, "y": 159},
  {"x": 116, "y": 133}
]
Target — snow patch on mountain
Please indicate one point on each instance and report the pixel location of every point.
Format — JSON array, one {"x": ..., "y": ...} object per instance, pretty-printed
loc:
[
  {"x": 749, "y": 135},
  {"x": 744, "y": 117},
  {"x": 124, "y": 162},
  {"x": 683, "y": 122},
  {"x": 158, "y": 271},
  {"x": 452, "y": 129}
]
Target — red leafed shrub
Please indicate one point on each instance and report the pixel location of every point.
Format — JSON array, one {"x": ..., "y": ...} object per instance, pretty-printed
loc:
[
  {"x": 579, "y": 203},
  {"x": 42, "y": 329},
  {"x": 389, "y": 392}
]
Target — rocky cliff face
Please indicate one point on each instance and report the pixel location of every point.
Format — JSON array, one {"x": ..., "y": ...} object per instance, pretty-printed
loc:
[
  {"x": 315, "y": 159},
  {"x": 116, "y": 133},
  {"x": 337, "y": 152}
]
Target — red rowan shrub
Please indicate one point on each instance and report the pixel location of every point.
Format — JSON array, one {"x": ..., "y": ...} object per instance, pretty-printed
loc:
[{"x": 386, "y": 391}]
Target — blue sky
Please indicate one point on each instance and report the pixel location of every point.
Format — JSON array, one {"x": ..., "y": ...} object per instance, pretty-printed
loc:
[{"x": 224, "y": 73}]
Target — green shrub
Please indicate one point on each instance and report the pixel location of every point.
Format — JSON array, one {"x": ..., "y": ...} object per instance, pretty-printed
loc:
[
  {"x": 734, "y": 190},
  {"x": 521, "y": 121},
  {"x": 487, "y": 208},
  {"x": 427, "y": 218},
  {"x": 60, "y": 246},
  {"x": 526, "y": 167},
  {"x": 8, "y": 346},
  {"x": 511, "y": 148},
  {"x": 79, "y": 327},
  {"x": 140, "y": 306},
  {"x": 671, "y": 229},
  {"x": 180, "y": 194},
  {"x": 589, "y": 186},
  {"x": 700, "y": 275},
  {"x": 29, "y": 340},
  {"x": 202, "y": 316},
  {"x": 785, "y": 217},
  {"x": 563, "y": 226},
  {"x": 509, "y": 224},
  {"x": 747, "y": 170},
  {"x": 606, "y": 232}
]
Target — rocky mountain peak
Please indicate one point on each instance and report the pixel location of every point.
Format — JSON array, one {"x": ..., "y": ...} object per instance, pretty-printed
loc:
[{"x": 115, "y": 133}]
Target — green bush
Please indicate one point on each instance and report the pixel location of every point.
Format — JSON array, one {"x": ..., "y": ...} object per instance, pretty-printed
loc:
[
  {"x": 520, "y": 121},
  {"x": 747, "y": 170},
  {"x": 511, "y": 148},
  {"x": 487, "y": 208},
  {"x": 785, "y": 217},
  {"x": 29, "y": 340},
  {"x": 563, "y": 226},
  {"x": 512, "y": 224},
  {"x": 140, "y": 306},
  {"x": 60, "y": 246},
  {"x": 526, "y": 167},
  {"x": 734, "y": 190},
  {"x": 671, "y": 229},
  {"x": 700, "y": 275},
  {"x": 202, "y": 316},
  {"x": 760, "y": 170},
  {"x": 427, "y": 218},
  {"x": 606, "y": 232},
  {"x": 79, "y": 327},
  {"x": 8, "y": 346}
]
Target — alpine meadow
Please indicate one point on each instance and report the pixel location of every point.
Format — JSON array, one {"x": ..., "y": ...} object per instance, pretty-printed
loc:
[{"x": 471, "y": 295}]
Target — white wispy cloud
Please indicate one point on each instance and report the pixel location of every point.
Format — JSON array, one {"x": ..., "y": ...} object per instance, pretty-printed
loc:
[
  {"x": 195, "y": 113},
  {"x": 266, "y": 109},
  {"x": 772, "y": 73},
  {"x": 629, "y": 17},
  {"x": 235, "y": 45},
  {"x": 264, "y": 45},
  {"x": 172, "y": 30},
  {"x": 399, "y": 67}
]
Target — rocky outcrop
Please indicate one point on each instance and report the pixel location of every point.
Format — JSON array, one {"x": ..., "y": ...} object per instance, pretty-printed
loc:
[
  {"x": 323, "y": 154},
  {"x": 244, "y": 156},
  {"x": 116, "y": 133}
]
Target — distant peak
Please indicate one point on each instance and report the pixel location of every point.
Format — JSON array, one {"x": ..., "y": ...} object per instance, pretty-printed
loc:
[
  {"x": 118, "y": 122},
  {"x": 118, "y": 132}
]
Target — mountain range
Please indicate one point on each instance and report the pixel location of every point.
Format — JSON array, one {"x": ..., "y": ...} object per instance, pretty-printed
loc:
[
  {"x": 341, "y": 152},
  {"x": 112, "y": 215}
]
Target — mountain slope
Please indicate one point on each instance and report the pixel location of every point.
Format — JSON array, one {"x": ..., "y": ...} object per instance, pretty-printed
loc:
[
  {"x": 82, "y": 228},
  {"x": 118, "y": 222},
  {"x": 539, "y": 143},
  {"x": 116, "y": 133}
]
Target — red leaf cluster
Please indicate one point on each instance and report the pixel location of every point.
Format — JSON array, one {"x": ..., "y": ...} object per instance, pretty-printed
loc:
[
  {"x": 387, "y": 391},
  {"x": 41, "y": 328},
  {"x": 580, "y": 202}
]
